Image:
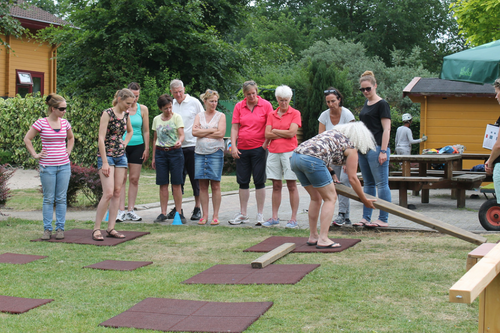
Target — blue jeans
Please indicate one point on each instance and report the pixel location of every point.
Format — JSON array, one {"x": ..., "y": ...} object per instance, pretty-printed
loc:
[
  {"x": 55, "y": 180},
  {"x": 375, "y": 178}
]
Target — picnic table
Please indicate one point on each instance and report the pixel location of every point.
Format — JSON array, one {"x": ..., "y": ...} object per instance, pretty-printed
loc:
[{"x": 425, "y": 179}]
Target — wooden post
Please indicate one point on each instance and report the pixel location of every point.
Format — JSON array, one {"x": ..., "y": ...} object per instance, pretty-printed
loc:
[
  {"x": 273, "y": 255},
  {"x": 482, "y": 279},
  {"x": 415, "y": 217}
]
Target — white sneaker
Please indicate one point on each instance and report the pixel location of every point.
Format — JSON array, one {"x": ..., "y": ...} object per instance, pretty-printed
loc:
[
  {"x": 120, "y": 217},
  {"x": 239, "y": 219},
  {"x": 132, "y": 216},
  {"x": 260, "y": 220}
]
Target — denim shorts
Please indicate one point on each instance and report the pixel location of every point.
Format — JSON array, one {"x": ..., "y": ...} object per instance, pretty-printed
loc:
[
  {"x": 310, "y": 170},
  {"x": 209, "y": 166},
  {"x": 169, "y": 162},
  {"x": 118, "y": 162}
]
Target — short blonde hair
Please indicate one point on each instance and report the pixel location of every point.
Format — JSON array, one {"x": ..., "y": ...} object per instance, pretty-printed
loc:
[
  {"x": 208, "y": 94},
  {"x": 53, "y": 101},
  {"x": 496, "y": 84},
  {"x": 247, "y": 85},
  {"x": 359, "y": 135}
]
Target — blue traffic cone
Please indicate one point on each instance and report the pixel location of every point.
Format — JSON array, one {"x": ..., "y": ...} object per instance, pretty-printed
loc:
[
  {"x": 107, "y": 216},
  {"x": 177, "y": 219}
]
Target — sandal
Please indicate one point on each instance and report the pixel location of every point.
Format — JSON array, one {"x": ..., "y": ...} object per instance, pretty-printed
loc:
[
  {"x": 97, "y": 237},
  {"x": 202, "y": 221},
  {"x": 115, "y": 235},
  {"x": 361, "y": 223},
  {"x": 214, "y": 222}
]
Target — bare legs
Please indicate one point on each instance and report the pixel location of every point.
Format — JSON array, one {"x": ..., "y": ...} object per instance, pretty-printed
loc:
[
  {"x": 177, "y": 194},
  {"x": 133, "y": 186},
  {"x": 276, "y": 197},
  {"x": 111, "y": 188},
  {"x": 260, "y": 197},
  {"x": 328, "y": 196},
  {"x": 216, "y": 197}
]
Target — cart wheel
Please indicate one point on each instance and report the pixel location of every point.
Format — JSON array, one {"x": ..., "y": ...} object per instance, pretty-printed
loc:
[{"x": 489, "y": 215}]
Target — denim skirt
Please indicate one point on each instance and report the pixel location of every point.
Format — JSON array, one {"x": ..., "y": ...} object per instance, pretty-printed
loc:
[{"x": 209, "y": 166}]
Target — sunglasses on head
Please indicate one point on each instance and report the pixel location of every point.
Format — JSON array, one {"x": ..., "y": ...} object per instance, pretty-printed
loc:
[
  {"x": 331, "y": 91},
  {"x": 367, "y": 89},
  {"x": 62, "y": 109}
]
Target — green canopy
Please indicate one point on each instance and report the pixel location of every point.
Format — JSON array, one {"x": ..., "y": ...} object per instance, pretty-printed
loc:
[{"x": 477, "y": 65}]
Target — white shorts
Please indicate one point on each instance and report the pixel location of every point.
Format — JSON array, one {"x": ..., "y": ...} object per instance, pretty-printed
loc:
[{"x": 278, "y": 166}]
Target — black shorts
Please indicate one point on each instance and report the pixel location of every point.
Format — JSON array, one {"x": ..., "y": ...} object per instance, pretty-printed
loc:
[
  {"x": 251, "y": 162},
  {"x": 134, "y": 154}
]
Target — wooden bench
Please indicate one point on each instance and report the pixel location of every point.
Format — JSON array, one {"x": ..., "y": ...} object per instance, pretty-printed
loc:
[
  {"x": 403, "y": 184},
  {"x": 466, "y": 182}
]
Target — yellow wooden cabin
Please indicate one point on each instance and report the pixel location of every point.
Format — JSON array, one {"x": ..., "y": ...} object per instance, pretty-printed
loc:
[
  {"x": 29, "y": 66},
  {"x": 453, "y": 112}
]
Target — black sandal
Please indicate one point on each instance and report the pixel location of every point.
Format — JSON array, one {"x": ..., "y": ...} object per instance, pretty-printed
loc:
[
  {"x": 117, "y": 235},
  {"x": 97, "y": 238}
]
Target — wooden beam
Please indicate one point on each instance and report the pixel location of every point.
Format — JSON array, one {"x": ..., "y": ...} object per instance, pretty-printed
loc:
[
  {"x": 477, "y": 278},
  {"x": 273, "y": 255},
  {"x": 415, "y": 217}
]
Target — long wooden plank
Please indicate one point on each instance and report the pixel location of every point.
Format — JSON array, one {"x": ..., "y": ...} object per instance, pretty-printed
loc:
[
  {"x": 477, "y": 278},
  {"x": 415, "y": 217},
  {"x": 273, "y": 255}
]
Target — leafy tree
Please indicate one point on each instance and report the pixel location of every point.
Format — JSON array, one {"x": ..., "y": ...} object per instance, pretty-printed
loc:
[
  {"x": 479, "y": 20},
  {"x": 8, "y": 24},
  {"x": 119, "y": 41}
]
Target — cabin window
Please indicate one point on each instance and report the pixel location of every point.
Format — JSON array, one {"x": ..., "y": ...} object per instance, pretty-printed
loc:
[{"x": 29, "y": 82}]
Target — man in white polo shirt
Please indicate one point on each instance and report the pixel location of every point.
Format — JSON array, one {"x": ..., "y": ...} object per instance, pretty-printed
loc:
[{"x": 187, "y": 107}]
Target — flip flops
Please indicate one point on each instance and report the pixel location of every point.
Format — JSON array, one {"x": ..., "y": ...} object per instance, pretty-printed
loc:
[
  {"x": 214, "y": 222},
  {"x": 331, "y": 246},
  {"x": 361, "y": 223}
]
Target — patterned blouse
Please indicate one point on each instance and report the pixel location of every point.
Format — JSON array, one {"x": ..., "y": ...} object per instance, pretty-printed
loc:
[
  {"x": 328, "y": 146},
  {"x": 114, "y": 134}
]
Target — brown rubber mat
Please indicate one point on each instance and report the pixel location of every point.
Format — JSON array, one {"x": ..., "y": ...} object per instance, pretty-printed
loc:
[
  {"x": 116, "y": 265},
  {"x": 13, "y": 258},
  {"x": 84, "y": 236},
  {"x": 245, "y": 274},
  {"x": 20, "y": 305},
  {"x": 176, "y": 315},
  {"x": 273, "y": 242}
]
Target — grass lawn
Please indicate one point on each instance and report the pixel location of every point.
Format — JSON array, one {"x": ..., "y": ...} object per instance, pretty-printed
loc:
[
  {"x": 31, "y": 199},
  {"x": 390, "y": 282}
]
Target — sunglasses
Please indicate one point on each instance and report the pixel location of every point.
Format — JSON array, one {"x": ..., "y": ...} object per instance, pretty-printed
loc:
[
  {"x": 331, "y": 91},
  {"x": 61, "y": 109},
  {"x": 367, "y": 89}
]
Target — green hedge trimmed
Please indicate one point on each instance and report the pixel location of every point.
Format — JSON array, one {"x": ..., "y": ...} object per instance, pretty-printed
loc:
[{"x": 18, "y": 114}]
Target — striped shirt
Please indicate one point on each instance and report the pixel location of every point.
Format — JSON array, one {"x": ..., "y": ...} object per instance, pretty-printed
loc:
[{"x": 53, "y": 142}]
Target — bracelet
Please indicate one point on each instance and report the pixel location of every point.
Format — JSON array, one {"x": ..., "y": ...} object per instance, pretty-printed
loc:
[{"x": 383, "y": 151}]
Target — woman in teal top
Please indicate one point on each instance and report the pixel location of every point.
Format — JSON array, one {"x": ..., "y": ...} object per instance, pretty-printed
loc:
[{"x": 137, "y": 152}]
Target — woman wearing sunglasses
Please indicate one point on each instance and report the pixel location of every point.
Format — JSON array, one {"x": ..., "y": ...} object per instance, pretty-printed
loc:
[
  {"x": 337, "y": 115},
  {"x": 55, "y": 170},
  {"x": 374, "y": 164}
]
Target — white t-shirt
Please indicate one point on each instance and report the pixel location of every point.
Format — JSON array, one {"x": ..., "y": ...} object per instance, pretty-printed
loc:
[
  {"x": 346, "y": 116},
  {"x": 188, "y": 109}
]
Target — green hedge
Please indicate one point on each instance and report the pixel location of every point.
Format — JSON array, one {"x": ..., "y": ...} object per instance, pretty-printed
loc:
[{"x": 18, "y": 114}]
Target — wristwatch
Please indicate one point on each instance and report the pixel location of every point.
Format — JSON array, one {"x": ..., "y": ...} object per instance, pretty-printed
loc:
[{"x": 383, "y": 151}]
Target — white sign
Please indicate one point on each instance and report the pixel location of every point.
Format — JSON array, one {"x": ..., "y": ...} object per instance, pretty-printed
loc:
[{"x": 490, "y": 136}]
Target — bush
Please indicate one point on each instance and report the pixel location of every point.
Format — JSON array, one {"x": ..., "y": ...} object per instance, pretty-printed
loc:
[
  {"x": 86, "y": 181},
  {"x": 229, "y": 167},
  {"x": 5, "y": 175}
]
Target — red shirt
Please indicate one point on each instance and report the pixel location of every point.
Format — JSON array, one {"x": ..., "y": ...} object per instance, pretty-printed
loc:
[
  {"x": 283, "y": 145},
  {"x": 252, "y": 133}
]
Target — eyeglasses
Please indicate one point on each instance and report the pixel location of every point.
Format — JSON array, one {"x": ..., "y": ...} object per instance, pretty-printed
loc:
[
  {"x": 61, "y": 109},
  {"x": 331, "y": 91},
  {"x": 367, "y": 89}
]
